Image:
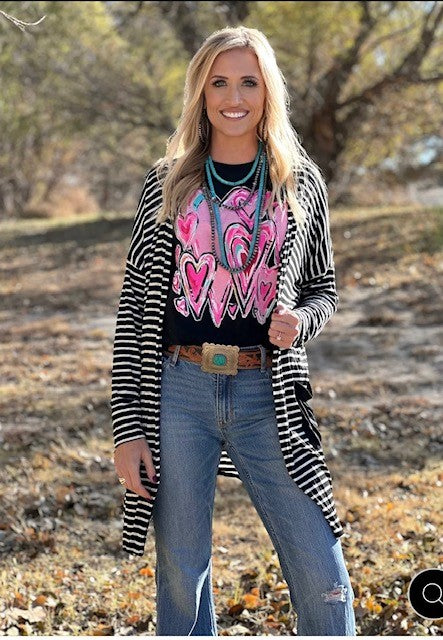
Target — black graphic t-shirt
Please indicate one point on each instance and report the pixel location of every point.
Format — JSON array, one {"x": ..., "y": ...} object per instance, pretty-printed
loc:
[{"x": 206, "y": 303}]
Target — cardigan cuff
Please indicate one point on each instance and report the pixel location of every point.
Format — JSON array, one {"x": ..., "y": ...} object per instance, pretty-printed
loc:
[
  {"x": 122, "y": 438},
  {"x": 299, "y": 340}
]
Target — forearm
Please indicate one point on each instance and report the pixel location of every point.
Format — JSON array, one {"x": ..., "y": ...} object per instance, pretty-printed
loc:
[
  {"x": 317, "y": 303},
  {"x": 318, "y": 298},
  {"x": 126, "y": 410},
  {"x": 126, "y": 366}
]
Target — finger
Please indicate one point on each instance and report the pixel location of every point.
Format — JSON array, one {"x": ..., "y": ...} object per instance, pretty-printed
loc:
[
  {"x": 288, "y": 320},
  {"x": 276, "y": 332},
  {"x": 149, "y": 465},
  {"x": 281, "y": 307},
  {"x": 285, "y": 339},
  {"x": 281, "y": 344},
  {"x": 284, "y": 325},
  {"x": 280, "y": 310},
  {"x": 139, "y": 488},
  {"x": 122, "y": 470},
  {"x": 136, "y": 483},
  {"x": 120, "y": 464}
]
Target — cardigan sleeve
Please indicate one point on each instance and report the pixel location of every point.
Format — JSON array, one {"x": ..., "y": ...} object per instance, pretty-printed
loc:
[
  {"x": 319, "y": 299},
  {"x": 126, "y": 365}
]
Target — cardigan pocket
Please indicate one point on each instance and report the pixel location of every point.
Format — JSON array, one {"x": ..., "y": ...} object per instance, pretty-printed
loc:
[{"x": 310, "y": 425}]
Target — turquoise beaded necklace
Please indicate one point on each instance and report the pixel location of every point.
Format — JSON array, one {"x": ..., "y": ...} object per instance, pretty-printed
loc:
[
  {"x": 211, "y": 198},
  {"x": 230, "y": 183}
]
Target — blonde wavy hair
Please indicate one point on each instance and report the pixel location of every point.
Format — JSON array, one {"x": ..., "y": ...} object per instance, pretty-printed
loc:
[{"x": 181, "y": 170}]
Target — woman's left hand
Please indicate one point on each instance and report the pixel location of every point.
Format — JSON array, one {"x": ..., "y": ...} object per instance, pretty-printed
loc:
[{"x": 284, "y": 322}]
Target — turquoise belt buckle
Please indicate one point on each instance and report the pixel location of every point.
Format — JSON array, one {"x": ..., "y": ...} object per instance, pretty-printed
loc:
[{"x": 219, "y": 358}]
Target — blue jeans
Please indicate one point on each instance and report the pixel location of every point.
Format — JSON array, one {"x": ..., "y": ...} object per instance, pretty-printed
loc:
[{"x": 200, "y": 413}]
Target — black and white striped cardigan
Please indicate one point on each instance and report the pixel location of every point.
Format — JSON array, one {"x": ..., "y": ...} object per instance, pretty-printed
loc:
[{"x": 306, "y": 281}]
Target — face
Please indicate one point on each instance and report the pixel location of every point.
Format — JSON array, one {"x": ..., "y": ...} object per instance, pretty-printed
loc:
[{"x": 235, "y": 84}]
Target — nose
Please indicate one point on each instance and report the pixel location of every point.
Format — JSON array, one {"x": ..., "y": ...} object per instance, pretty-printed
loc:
[{"x": 235, "y": 96}]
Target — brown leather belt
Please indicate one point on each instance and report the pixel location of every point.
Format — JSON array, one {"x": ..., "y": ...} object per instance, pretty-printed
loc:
[{"x": 218, "y": 358}]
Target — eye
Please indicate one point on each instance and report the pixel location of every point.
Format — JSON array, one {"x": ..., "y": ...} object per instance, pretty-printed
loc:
[{"x": 253, "y": 83}]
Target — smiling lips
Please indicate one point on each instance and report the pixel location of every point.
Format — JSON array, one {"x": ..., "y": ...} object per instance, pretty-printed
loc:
[{"x": 234, "y": 115}]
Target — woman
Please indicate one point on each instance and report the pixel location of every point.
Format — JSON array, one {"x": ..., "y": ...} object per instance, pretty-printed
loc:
[{"x": 229, "y": 273}]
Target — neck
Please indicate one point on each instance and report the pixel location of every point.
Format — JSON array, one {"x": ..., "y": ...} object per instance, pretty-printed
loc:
[{"x": 233, "y": 150}]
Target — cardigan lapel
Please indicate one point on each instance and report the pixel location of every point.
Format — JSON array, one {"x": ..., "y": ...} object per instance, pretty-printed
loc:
[{"x": 286, "y": 253}]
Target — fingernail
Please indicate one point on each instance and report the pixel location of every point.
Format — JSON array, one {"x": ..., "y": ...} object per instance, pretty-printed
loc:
[{"x": 155, "y": 478}]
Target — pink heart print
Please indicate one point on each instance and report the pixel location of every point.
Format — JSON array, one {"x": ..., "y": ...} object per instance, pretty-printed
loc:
[
  {"x": 186, "y": 228},
  {"x": 206, "y": 284},
  {"x": 196, "y": 275}
]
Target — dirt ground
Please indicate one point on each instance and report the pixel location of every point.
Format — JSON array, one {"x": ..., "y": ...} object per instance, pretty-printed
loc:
[{"x": 375, "y": 370}]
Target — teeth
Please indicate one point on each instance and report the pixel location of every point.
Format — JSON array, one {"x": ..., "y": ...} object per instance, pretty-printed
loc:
[{"x": 233, "y": 114}]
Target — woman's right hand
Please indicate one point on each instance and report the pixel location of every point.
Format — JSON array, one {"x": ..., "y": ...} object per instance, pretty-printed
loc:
[{"x": 127, "y": 457}]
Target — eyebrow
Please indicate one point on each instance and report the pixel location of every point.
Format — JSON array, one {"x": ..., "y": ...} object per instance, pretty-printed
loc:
[{"x": 225, "y": 78}]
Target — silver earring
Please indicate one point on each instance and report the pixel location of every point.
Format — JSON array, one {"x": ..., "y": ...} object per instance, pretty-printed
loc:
[{"x": 261, "y": 134}]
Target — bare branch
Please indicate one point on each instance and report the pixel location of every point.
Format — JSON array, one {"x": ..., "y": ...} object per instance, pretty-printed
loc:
[
  {"x": 20, "y": 23},
  {"x": 413, "y": 60},
  {"x": 407, "y": 72},
  {"x": 388, "y": 36},
  {"x": 430, "y": 80}
]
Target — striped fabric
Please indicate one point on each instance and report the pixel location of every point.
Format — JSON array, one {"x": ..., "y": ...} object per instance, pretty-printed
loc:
[{"x": 306, "y": 281}]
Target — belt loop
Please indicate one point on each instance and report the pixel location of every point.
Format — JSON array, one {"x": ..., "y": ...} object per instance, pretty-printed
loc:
[
  {"x": 174, "y": 356},
  {"x": 262, "y": 358}
]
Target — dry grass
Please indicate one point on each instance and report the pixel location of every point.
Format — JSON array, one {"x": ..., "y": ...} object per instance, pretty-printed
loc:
[{"x": 375, "y": 372}]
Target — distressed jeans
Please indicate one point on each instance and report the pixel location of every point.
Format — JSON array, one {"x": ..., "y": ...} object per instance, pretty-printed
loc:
[{"x": 201, "y": 413}]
